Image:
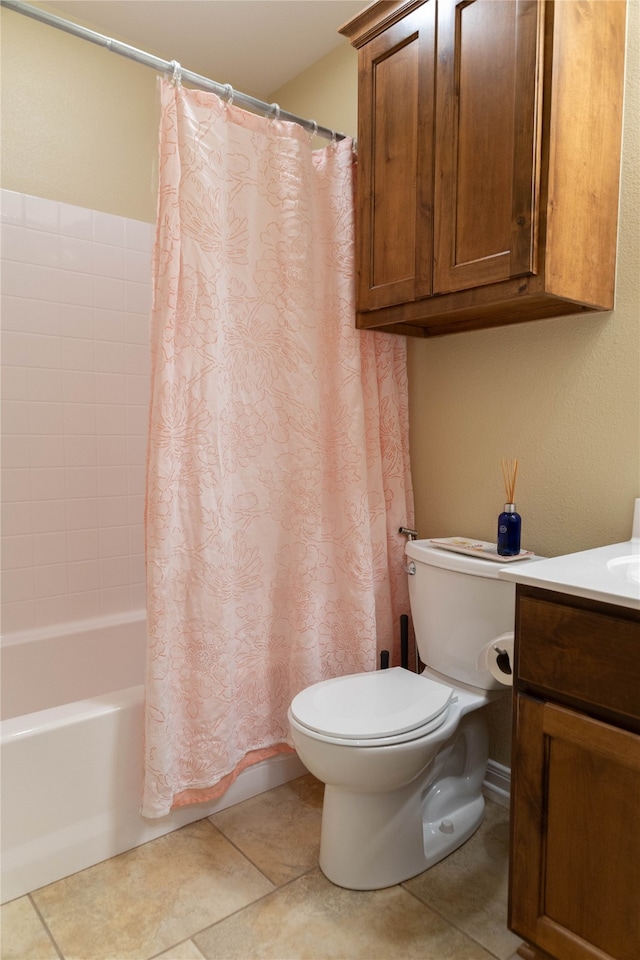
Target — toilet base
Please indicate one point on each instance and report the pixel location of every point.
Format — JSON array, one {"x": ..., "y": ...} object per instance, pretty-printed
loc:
[
  {"x": 374, "y": 840},
  {"x": 442, "y": 837}
]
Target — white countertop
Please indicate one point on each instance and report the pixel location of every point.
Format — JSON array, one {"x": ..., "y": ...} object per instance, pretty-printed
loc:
[{"x": 610, "y": 574}]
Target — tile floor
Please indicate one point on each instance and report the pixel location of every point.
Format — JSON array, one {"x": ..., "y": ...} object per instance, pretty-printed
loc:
[{"x": 244, "y": 884}]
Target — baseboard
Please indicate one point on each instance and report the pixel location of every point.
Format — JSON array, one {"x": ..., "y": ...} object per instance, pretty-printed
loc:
[{"x": 497, "y": 783}]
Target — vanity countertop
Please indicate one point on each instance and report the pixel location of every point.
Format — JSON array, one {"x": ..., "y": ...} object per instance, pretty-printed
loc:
[{"x": 610, "y": 574}]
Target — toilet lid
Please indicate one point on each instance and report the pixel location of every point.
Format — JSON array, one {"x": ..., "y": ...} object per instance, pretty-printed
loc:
[{"x": 366, "y": 706}]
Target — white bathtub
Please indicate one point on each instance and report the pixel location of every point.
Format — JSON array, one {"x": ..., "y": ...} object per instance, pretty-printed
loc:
[{"x": 71, "y": 744}]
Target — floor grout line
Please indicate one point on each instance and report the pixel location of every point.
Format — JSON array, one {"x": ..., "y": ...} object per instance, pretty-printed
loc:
[
  {"x": 241, "y": 852},
  {"x": 246, "y": 906},
  {"x": 45, "y": 925}
]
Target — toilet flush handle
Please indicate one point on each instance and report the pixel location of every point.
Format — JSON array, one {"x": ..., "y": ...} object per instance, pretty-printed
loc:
[
  {"x": 409, "y": 534},
  {"x": 410, "y": 568}
]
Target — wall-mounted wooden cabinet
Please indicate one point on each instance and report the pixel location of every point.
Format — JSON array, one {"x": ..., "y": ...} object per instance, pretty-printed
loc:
[
  {"x": 488, "y": 160},
  {"x": 574, "y": 888}
]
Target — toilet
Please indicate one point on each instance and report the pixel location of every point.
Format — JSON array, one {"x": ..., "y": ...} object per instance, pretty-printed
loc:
[{"x": 403, "y": 755}]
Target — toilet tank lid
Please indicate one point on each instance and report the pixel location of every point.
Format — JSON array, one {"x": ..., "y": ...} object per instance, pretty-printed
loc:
[
  {"x": 423, "y": 551},
  {"x": 364, "y": 706}
]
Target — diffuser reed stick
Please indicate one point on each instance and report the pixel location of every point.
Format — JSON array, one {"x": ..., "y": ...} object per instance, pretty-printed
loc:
[{"x": 509, "y": 475}]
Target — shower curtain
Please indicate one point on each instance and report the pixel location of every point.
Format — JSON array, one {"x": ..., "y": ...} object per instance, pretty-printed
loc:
[{"x": 278, "y": 467}]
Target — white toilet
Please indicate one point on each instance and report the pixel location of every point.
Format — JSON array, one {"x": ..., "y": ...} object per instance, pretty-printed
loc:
[{"x": 404, "y": 755}]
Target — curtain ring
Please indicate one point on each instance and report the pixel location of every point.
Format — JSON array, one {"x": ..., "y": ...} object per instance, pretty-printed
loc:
[
  {"x": 274, "y": 112},
  {"x": 228, "y": 93},
  {"x": 314, "y": 131},
  {"x": 176, "y": 76}
]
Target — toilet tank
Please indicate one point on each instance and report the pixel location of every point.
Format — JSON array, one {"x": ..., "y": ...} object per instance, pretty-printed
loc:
[{"x": 458, "y": 604}]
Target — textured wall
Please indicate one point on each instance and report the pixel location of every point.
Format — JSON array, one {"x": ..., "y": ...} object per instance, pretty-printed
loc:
[{"x": 79, "y": 124}]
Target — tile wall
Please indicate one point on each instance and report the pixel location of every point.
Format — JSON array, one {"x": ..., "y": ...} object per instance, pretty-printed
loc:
[{"x": 76, "y": 297}]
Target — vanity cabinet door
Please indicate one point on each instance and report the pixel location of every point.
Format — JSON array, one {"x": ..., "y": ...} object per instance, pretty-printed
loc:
[
  {"x": 487, "y": 149},
  {"x": 575, "y": 846}
]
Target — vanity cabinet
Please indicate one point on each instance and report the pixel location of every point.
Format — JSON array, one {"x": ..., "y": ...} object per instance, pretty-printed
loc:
[
  {"x": 574, "y": 887},
  {"x": 488, "y": 160}
]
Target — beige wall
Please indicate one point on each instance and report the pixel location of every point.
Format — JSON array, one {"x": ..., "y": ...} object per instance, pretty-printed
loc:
[
  {"x": 79, "y": 125},
  {"x": 326, "y": 92}
]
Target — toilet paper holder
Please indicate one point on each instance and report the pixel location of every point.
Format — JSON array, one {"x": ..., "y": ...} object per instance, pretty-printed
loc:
[
  {"x": 497, "y": 657},
  {"x": 503, "y": 660}
]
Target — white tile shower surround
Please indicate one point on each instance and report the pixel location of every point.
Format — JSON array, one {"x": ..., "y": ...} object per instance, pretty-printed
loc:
[{"x": 76, "y": 297}]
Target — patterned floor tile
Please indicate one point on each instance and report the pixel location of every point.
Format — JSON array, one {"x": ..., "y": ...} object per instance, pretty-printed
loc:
[
  {"x": 22, "y": 936},
  {"x": 311, "y": 919},
  {"x": 140, "y": 903},
  {"x": 279, "y": 831},
  {"x": 209, "y": 891}
]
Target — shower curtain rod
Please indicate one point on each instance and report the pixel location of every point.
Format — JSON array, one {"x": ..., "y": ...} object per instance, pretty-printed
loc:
[{"x": 224, "y": 90}]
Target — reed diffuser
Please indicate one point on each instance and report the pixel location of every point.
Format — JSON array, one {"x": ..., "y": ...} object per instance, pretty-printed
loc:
[{"x": 509, "y": 522}]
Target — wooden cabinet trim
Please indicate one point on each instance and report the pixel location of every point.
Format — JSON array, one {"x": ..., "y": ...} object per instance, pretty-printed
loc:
[
  {"x": 527, "y": 818},
  {"x": 375, "y": 19},
  {"x": 583, "y": 197},
  {"x": 526, "y": 206},
  {"x": 527, "y": 952},
  {"x": 616, "y": 744},
  {"x": 601, "y": 607},
  {"x": 516, "y": 301}
]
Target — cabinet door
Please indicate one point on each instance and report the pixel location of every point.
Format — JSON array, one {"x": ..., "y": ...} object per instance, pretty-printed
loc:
[
  {"x": 395, "y": 161},
  {"x": 575, "y": 851},
  {"x": 487, "y": 144}
]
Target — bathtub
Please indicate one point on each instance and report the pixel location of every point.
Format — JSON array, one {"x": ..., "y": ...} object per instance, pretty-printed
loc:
[{"x": 71, "y": 752}]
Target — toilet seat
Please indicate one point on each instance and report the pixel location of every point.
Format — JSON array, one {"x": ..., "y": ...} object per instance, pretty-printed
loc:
[{"x": 372, "y": 709}]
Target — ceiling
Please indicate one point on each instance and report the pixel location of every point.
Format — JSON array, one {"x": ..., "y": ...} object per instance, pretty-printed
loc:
[{"x": 255, "y": 45}]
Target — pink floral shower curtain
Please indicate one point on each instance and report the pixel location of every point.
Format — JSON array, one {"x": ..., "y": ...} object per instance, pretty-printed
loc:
[{"x": 278, "y": 470}]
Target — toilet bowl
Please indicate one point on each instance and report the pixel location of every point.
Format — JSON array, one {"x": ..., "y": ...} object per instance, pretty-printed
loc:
[
  {"x": 402, "y": 755},
  {"x": 395, "y": 803}
]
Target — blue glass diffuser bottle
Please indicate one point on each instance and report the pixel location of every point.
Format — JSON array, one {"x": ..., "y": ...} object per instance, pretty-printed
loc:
[
  {"x": 509, "y": 525},
  {"x": 509, "y": 522}
]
